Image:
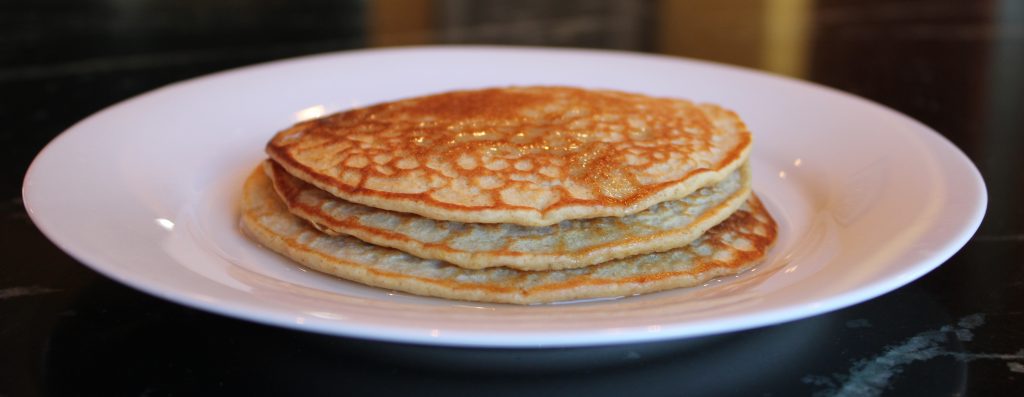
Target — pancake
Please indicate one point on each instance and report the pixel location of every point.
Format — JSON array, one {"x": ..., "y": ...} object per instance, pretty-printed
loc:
[
  {"x": 567, "y": 244},
  {"x": 736, "y": 244},
  {"x": 532, "y": 156}
]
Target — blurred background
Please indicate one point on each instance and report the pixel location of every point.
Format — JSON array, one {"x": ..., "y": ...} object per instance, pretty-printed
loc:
[{"x": 952, "y": 64}]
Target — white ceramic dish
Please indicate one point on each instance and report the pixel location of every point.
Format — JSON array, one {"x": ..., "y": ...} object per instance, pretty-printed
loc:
[{"x": 145, "y": 192}]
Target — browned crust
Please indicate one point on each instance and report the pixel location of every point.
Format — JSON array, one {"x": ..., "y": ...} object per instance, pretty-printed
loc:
[{"x": 596, "y": 166}]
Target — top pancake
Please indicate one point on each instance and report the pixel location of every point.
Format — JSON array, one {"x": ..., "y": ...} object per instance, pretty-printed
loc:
[{"x": 531, "y": 156}]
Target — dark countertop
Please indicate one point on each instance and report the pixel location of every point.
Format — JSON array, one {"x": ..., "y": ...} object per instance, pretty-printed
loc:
[{"x": 957, "y": 66}]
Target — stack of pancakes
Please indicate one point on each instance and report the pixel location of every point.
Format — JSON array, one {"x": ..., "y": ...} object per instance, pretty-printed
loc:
[{"x": 514, "y": 195}]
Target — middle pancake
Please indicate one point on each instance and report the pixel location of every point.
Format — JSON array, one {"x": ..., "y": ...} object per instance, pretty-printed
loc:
[{"x": 565, "y": 245}]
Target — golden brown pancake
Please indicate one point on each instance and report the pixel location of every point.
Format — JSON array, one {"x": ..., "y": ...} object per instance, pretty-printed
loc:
[
  {"x": 532, "y": 156},
  {"x": 736, "y": 244},
  {"x": 567, "y": 244}
]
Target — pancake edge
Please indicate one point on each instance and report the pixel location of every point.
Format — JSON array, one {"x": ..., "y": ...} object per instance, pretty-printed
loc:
[
  {"x": 659, "y": 242},
  {"x": 594, "y": 288}
]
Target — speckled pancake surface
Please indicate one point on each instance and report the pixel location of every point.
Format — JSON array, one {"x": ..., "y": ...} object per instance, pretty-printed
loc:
[
  {"x": 732, "y": 246},
  {"x": 565, "y": 245},
  {"x": 531, "y": 156}
]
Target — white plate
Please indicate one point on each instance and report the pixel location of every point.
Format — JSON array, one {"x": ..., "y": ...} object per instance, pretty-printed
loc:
[{"x": 145, "y": 192}]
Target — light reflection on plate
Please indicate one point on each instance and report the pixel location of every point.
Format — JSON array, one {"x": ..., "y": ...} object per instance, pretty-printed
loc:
[{"x": 864, "y": 196}]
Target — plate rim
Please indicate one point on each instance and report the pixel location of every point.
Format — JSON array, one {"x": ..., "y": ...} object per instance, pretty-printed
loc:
[{"x": 541, "y": 338}]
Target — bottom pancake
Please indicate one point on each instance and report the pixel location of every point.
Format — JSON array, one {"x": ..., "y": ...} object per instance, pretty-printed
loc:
[
  {"x": 565, "y": 245},
  {"x": 734, "y": 245}
]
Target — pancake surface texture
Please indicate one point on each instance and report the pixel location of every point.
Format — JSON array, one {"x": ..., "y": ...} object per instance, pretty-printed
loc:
[
  {"x": 568, "y": 244},
  {"x": 531, "y": 156},
  {"x": 730, "y": 247}
]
